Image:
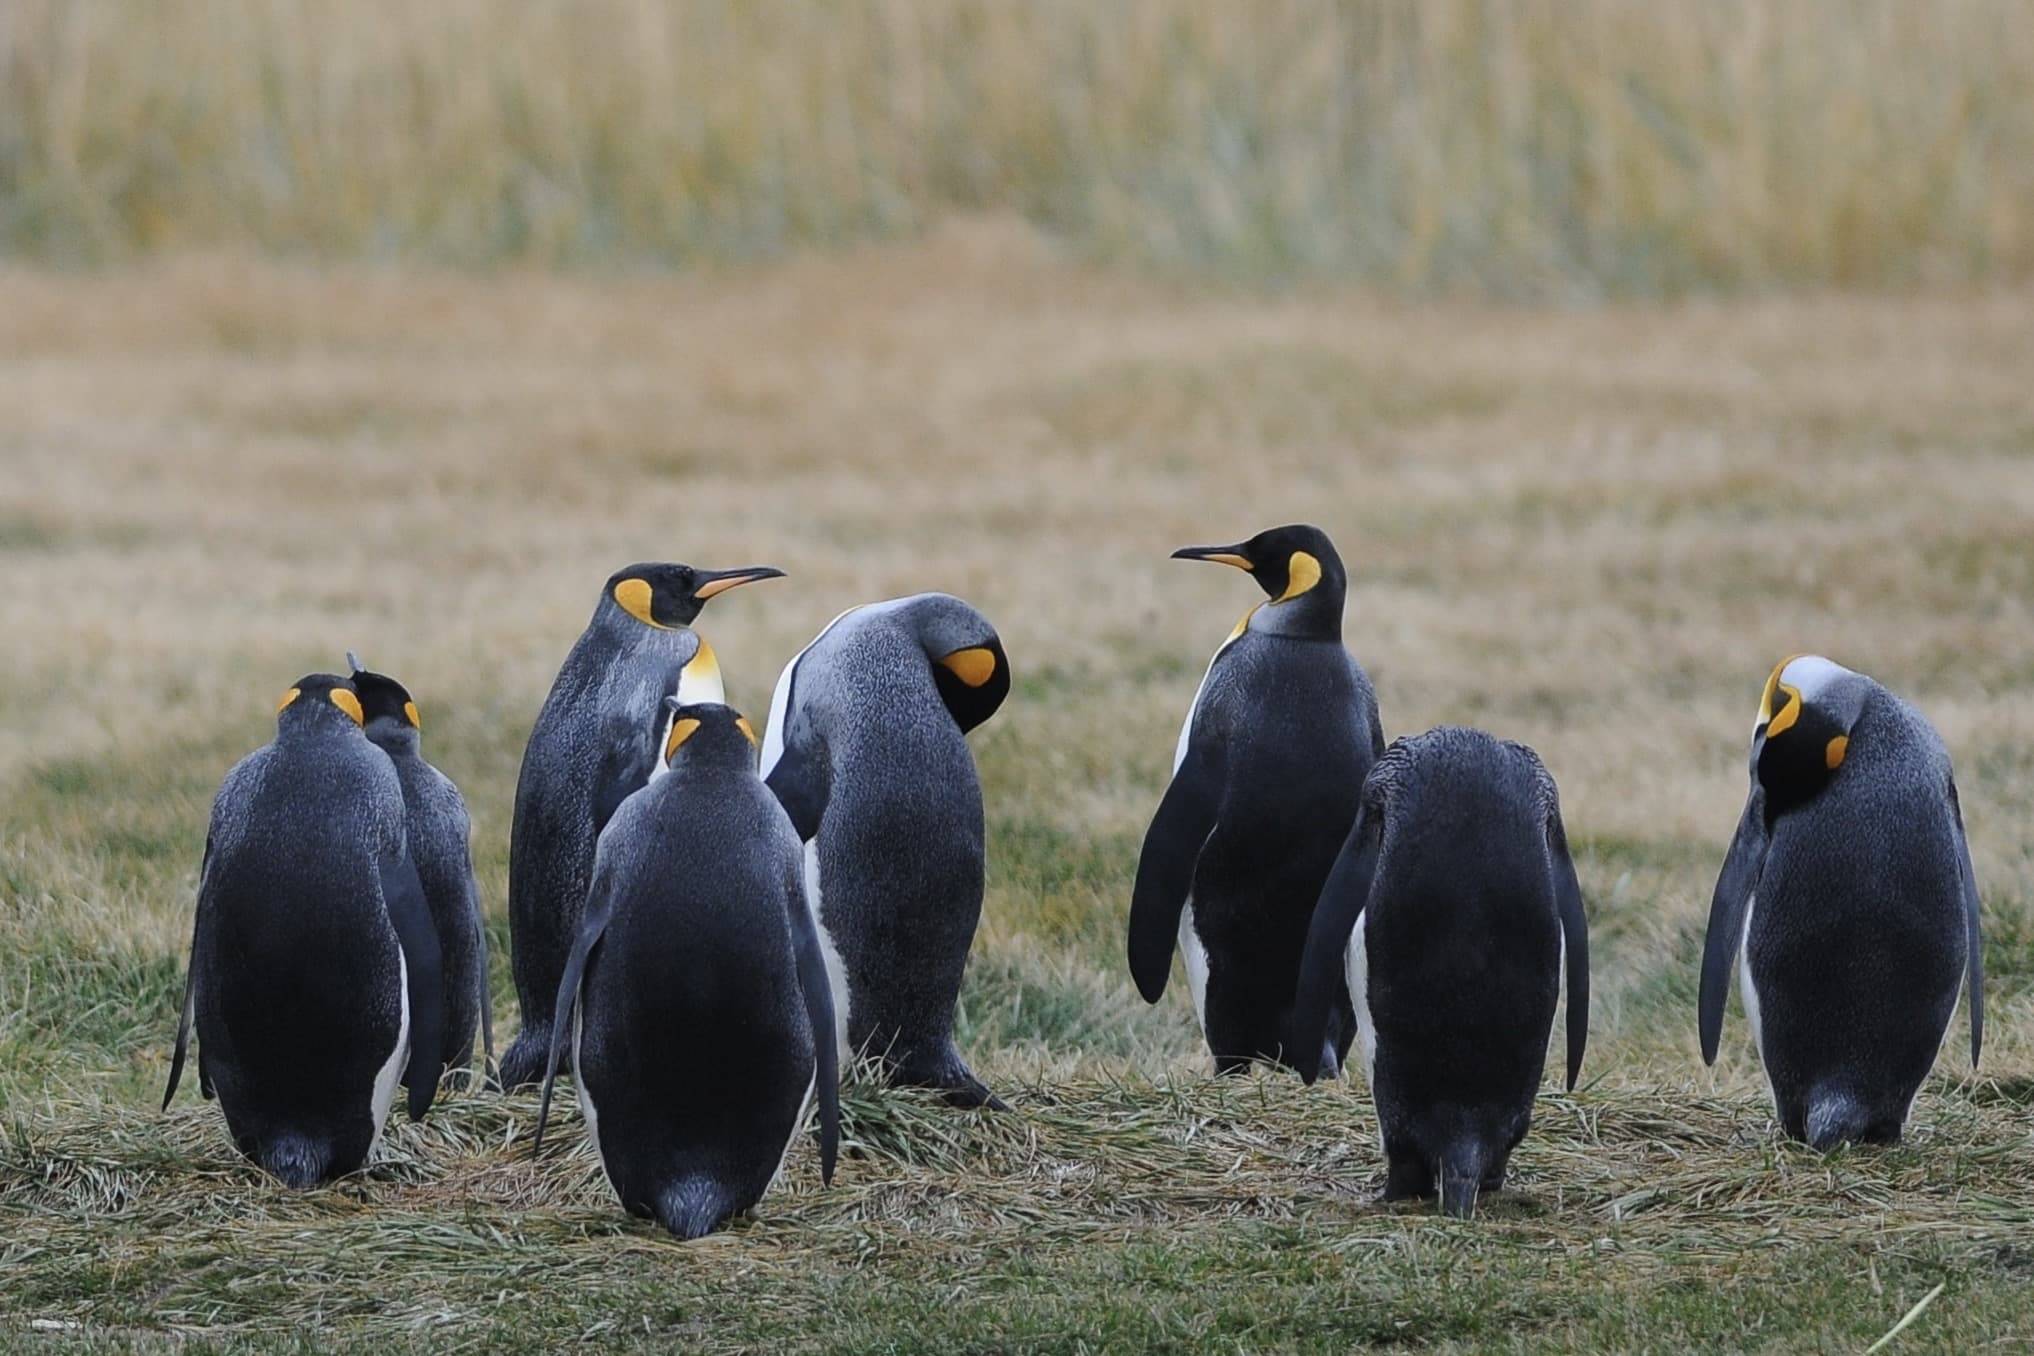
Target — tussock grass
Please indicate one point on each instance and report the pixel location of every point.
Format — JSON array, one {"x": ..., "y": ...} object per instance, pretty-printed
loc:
[
  {"x": 1514, "y": 149},
  {"x": 1593, "y": 531}
]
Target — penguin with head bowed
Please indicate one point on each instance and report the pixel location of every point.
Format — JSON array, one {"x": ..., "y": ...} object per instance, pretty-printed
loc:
[
  {"x": 314, "y": 983},
  {"x": 1847, "y": 904},
  {"x": 695, "y": 996},
  {"x": 592, "y": 746},
  {"x": 1264, "y": 786},
  {"x": 1450, "y": 915},
  {"x": 440, "y": 844},
  {"x": 865, "y": 750}
]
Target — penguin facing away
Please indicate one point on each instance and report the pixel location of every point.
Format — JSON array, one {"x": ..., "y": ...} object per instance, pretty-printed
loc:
[
  {"x": 696, "y": 994},
  {"x": 314, "y": 982},
  {"x": 439, "y": 834},
  {"x": 592, "y": 746},
  {"x": 1264, "y": 787},
  {"x": 865, "y": 749},
  {"x": 1847, "y": 904},
  {"x": 1450, "y": 915}
]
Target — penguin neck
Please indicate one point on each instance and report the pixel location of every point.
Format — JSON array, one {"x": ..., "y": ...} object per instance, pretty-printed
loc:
[
  {"x": 615, "y": 620},
  {"x": 1314, "y": 615},
  {"x": 394, "y": 738}
]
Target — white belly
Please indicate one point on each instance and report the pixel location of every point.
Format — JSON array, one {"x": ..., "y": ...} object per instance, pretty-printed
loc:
[
  {"x": 587, "y": 1110},
  {"x": 797, "y": 1126},
  {"x": 1356, "y": 971},
  {"x": 1749, "y": 992},
  {"x": 1195, "y": 956},
  {"x": 391, "y": 1072},
  {"x": 836, "y": 969}
]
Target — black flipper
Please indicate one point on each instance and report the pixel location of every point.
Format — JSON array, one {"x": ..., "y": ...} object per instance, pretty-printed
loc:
[
  {"x": 1321, "y": 976},
  {"x": 188, "y": 1013},
  {"x": 1727, "y": 910},
  {"x": 489, "y": 1069},
  {"x": 818, "y": 989},
  {"x": 801, "y": 782},
  {"x": 403, "y": 895},
  {"x": 1575, "y": 934},
  {"x": 626, "y": 766},
  {"x": 1165, "y": 866},
  {"x": 592, "y": 923},
  {"x": 1974, "y": 938}
]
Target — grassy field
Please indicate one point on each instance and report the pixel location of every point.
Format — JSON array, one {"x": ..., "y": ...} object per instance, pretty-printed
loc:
[
  {"x": 1550, "y": 148},
  {"x": 1592, "y": 531}
]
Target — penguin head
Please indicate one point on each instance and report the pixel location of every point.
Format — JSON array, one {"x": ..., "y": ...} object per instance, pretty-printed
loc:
[
  {"x": 705, "y": 735},
  {"x": 319, "y": 703},
  {"x": 390, "y": 716},
  {"x": 1806, "y": 715},
  {"x": 670, "y": 595},
  {"x": 1296, "y": 566}
]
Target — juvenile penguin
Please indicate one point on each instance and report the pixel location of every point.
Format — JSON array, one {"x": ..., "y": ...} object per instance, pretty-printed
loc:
[
  {"x": 1450, "y": 915},
  {"x": 1847, "y": 904},
  {"x": 865, "y": 750},
  {"x": 440, "y": 840},
  {"x": 696, "y": 994},
  {"x": 594, "y": 744},
  {"x": 314, "y": 981},
  {"x": 1264, "y": 786}
]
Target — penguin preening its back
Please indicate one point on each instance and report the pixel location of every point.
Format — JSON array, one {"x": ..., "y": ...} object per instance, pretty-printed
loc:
[
  {"x": 440, "y": 834},
  {"x": 865, "y": 749},
  {"x": 592, "y": 746},
  {"x": 1450, "y": 915},
  {"x": 314, "y": 981},
  {"x": 1264, "y": 787},
  {"x": 696, "y": 994},
  {"x": 1848, "y": 904}
]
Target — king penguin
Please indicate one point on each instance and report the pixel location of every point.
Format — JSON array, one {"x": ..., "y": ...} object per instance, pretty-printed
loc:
[
  {"x": 1264, "y": 787},
  {"x": 866, "y": 751},
  {"x": 1449, "y": 917},
  {"x": 695, "y": 996},
  {"x": 440, "y": 839},
  {"x": 1847, "y": 904},
  {"x": 594, "y": 744},
  {"x": 314, "y": 982}
]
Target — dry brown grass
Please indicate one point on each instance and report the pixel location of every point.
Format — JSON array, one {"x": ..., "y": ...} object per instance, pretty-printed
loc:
[{"x": 1591, "y": 531}]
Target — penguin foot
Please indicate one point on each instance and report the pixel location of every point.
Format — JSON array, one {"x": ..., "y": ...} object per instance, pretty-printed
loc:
[
  {"x": 952, "y": 1079},
  {"x": 523, "y": 1065}
]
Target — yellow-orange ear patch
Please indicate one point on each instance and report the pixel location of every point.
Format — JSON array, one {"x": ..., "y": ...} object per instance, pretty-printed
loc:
[
  {"x": 1784, "y": 719},
  {"x": 748, "y": 730},
  {"x": 287, "y": 698},
  {"x": 410, "y": 710},
  {"x": 1302, "y": 572},
  {"x": 634, "y": 597},
  {"x": 348, "y": 703},
  {"x": 1772, "y": 688},
  {"x": 973, "y": 666},
  {"x": 1835, "y": 750},
  {"x": 681, "y": 730}
]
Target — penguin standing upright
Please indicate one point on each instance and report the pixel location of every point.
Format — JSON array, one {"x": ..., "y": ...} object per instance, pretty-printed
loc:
[
  {"x": 865, "y": 750},
  {"x": 1451, "y": 912},
  {"x": 1848, "y": 904},
  {"x": 440, "y": 844},
  {"x": 696, "y": 994},
  {"x": 314, "y": 980},
  {"x": 594, "y": 744},
  {"x": 1264, "y": 786}
]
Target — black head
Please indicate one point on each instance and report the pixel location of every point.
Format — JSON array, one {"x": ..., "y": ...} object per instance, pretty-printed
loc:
[
  {"x": 1295, "y": 565},
  {"x": 319, "y": 702},
  {"x": 668, "y": 595},
  {"x": 706, "y": 734},
  {"x": 384, "y": 702},
  {"x": 1806, "y": 716}
]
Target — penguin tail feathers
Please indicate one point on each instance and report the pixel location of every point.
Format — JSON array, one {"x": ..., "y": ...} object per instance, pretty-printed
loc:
[
  {"x": 296, "y": 1161},
  {"x": 523, "y": 1064},
  {"x": 1835, "y": 1117},
  {"x": 694, "y": 1207},
  {"x": 1461, "y": 1178}
]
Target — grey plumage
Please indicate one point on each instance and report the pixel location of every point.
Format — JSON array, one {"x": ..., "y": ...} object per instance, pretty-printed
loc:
[
  {"x": 1848, "y": 905},
  {"x": 1450, "y": 914},
  {"x": 695, "y": 994},
  {"x": 314, "y": 978},
  {"x": 865, "y": 748},
  {"x": 593, "y": 744}
]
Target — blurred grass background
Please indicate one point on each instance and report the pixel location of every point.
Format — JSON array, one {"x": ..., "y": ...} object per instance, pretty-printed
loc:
[{"x": 1525, "y": 149}]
